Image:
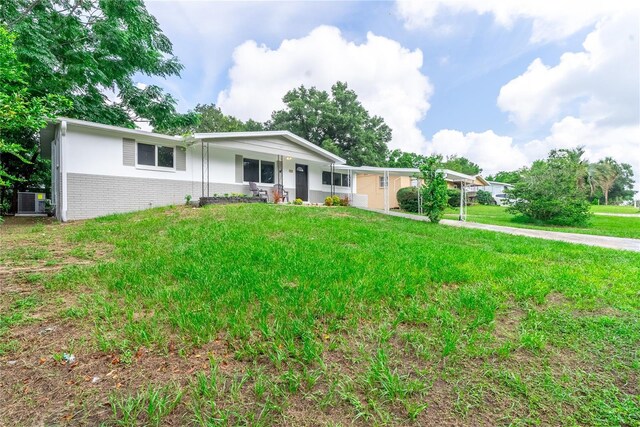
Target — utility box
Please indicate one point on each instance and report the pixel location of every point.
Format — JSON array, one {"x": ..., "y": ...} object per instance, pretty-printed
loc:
[{"x": 31, "y": 203}]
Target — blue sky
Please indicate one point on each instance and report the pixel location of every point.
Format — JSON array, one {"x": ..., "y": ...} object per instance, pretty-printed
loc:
[{"x": 499, "y": 83}]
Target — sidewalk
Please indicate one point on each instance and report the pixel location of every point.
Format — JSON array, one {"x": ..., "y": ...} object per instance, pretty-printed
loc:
[{"x": 583, "y": 239}]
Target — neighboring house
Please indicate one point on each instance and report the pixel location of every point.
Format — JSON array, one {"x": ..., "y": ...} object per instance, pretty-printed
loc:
[
  {"x": 377, "y": 186},
  {"x": 99, "y": 169},
  {"x": 497, "y": 190},
  {"x": 371, "y": 184}
]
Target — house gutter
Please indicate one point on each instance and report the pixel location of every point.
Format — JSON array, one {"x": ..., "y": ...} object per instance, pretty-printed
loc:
[{"x": 62, "y": 146}]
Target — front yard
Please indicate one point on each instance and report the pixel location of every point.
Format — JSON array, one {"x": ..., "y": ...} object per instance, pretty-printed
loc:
[
  {"x": 286, "y": 315},
  {"x": 615, "y": 226}
]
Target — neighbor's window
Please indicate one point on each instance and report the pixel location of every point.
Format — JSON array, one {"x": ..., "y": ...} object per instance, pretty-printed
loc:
[
  {"x": 345, "y": 180},
  {"x": 383, "y": 182},
  {"x": 267, "y": 172},
  {"x": 155, "y": 155}
]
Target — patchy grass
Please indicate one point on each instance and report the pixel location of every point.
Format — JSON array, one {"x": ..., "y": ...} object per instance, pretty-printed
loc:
[
  {"x": 599, "y": 224},
  {"x": 272, "y": 315}
]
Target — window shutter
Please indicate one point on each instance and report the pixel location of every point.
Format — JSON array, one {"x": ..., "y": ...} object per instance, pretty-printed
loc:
[
  {"x": 239, "y": 169},
  {"x": 128, "y": 152},
  {"x": 181, "y": 159}
]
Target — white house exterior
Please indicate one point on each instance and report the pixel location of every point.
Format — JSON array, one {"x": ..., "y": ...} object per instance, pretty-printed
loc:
[
  {"x": 498, "y": 190},
  {"x": 99, "y": 169}
]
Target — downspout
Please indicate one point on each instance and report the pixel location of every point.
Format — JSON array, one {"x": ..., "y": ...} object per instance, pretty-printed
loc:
[{"x": 63, "y": 169}]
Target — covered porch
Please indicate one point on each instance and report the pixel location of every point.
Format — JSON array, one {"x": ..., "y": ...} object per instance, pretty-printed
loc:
[{"x": 269, "y": 161}]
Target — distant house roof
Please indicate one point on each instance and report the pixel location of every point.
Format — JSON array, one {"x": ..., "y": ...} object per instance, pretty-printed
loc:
[{"x": 448, "y": 173}]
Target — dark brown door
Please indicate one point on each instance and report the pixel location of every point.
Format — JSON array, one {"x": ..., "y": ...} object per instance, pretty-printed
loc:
[{"x": 302, "y": 182}]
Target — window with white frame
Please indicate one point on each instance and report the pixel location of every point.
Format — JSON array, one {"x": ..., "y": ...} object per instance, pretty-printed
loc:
[
  {"x": 156, "y": 156},
  {"x": 383, "y": 181},
  {"x": 262, "y": 171},
  {"x": 339, "y": 179}
]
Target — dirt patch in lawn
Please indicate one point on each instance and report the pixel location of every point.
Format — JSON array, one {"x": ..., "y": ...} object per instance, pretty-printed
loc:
[{"x": 30, "y": 246}]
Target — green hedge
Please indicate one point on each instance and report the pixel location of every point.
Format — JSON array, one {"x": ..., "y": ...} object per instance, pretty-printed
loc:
[
  {"x": 485, "y": 198},
  {"x": 454, "y": 197},
  {"x": 408, "y": 199}
]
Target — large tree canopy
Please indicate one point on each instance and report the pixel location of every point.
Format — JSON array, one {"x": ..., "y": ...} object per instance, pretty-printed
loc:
[
  {"x": 20, "y": 114},
  {"x": 510, "y": 177},
  {"x": 84, "y": 49},
  {"x": 89, "y": 52},
  {"x": 212, "y": 119},
  {"x": 404, "y": 159},
  {"x": 462, "y": 165},
  {"x": 337, "y": 122}
]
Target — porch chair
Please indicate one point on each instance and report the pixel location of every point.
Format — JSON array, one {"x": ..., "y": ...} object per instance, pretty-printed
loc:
[
  {"x": 280, "y": 189},
  {"x": 258, "y": 192}
]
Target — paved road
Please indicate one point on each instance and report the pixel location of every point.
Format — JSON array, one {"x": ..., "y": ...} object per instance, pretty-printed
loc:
[{"x": 583, "y": 239}]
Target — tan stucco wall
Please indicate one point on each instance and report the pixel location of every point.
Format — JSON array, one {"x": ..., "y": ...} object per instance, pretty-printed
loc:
[{"x": 369, "y": 184}]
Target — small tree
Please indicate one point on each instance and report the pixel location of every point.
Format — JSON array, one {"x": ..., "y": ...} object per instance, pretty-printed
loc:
[
  {"x": 434, "y": 189},
  {"x": 550, "y": 192},
  {"x": 485, "y": 197}
]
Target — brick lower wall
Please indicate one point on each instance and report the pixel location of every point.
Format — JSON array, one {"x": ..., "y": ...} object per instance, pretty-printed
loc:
[{"x": 90, "y": 196}]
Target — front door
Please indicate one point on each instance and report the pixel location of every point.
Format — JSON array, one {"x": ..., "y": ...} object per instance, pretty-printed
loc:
[{"x": 302, "y": 182}]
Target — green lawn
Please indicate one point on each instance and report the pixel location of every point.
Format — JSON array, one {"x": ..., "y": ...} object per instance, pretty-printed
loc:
[
  {"x": 616, "y": 209},
  {"x": 599, "y": 224},
  {"x": 284, "y": 315}
]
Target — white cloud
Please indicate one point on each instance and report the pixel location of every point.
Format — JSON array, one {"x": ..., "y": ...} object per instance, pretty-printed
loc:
[
  {"x": 205, "y": 33},
  {"x": 492, "y": 152},
  {"x": 495, "y": 152},
  {"x": 620, "y": 142},
  {"x": 551, "y": 19},
  {"x": 385, "y": 75},
  {"x": 601, "y": 81}
]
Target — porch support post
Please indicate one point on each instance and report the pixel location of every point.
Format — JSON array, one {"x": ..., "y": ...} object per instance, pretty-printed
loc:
[
  {"x": 205, "y": 169},
  {"x": 351, "y": 185},
  {"x": 462, "y": 200},
  {"x": 386, "y": 190},
  {"x": 202, "y": 166},
  {"x": 332, "y": 182}
]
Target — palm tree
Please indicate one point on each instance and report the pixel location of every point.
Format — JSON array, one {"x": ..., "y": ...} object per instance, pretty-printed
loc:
[{"x": 606, "y": 172}]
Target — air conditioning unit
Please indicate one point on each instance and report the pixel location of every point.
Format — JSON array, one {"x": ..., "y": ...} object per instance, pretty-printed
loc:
[{"x": 31, "y": 203}]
